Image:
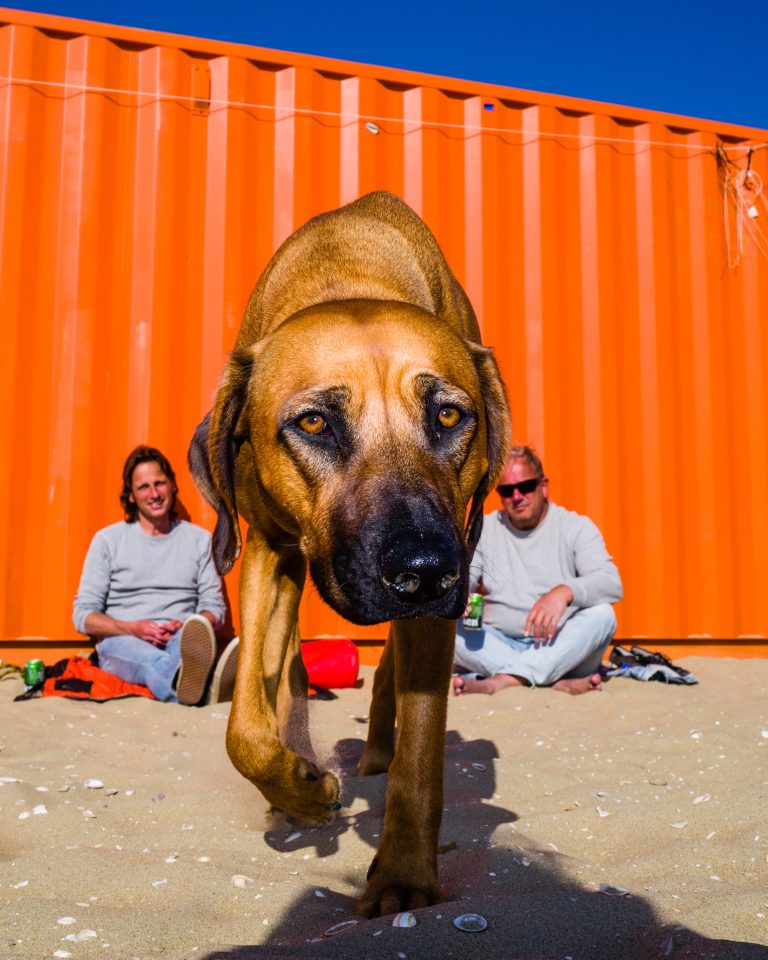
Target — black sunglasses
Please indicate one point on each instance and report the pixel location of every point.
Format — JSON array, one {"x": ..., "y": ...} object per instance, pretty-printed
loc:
[{"x": 524, "y": 487}]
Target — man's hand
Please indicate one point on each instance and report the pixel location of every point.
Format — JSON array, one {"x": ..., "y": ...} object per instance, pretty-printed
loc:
[
  {"x": 100, "y": 625},
  {"x": 158, "y": 634},
  {"x": 546, "y": 612}
]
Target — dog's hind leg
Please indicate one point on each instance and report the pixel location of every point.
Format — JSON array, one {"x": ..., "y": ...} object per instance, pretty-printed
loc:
[
  {"x": 270, "y": 587},
  {"x": 380, "y": 744},
  {"x": 403, "y": 875}
]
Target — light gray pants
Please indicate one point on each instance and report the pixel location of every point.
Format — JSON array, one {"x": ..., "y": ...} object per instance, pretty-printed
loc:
[
  {"x": 575, "y": 651},
  {"x": 137, "y": 661}
]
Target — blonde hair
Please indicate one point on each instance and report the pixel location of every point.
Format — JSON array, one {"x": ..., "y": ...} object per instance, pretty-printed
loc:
[{"x": 522, "y": 452}]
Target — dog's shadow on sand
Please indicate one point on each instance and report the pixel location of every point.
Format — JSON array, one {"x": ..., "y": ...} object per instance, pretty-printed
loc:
[
  {"x": 469, "y": 781},
  {"x": 533, "y": 908}
]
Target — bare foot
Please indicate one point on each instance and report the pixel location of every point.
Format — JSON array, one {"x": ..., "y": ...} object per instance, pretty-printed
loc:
[
  {"x": 489, "y": 685},
  {"x": 501, "y": 681},
  {"x": 579, "y": 685}
]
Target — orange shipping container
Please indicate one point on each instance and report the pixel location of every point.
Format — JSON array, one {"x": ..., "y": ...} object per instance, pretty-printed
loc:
[{"x": 617, "y": 261}]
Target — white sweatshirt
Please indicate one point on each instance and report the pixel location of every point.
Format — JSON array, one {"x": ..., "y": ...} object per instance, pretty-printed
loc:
[
  {"x": 516, "y": 567},
  {"x": 131, "y": 575}
]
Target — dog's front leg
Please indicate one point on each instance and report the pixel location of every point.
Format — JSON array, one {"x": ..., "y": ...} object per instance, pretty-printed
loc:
[
  {"x": 403, "y": 874},
  {"x": 270, "y": 587},
  {"x": 292, "y": 702}
]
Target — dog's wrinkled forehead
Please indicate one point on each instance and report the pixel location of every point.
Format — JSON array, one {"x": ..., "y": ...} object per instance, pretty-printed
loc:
[{"x": 353, "y": 351}]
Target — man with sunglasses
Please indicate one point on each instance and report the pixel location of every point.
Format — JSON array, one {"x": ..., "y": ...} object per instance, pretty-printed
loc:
[{"x": 548, "y": 583}]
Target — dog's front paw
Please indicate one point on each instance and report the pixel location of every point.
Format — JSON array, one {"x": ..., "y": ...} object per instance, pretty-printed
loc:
[
  {"x": 307, "y": 794},
  {"x": 288, "y": 782},
  {"x": 406, "y": 884}
]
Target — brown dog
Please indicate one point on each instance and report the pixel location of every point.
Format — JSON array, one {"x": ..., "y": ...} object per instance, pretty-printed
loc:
[{"x": 358, "y": 427}]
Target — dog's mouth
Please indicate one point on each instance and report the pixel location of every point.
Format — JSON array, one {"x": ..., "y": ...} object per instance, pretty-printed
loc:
[
  {"x": 368, "y": 600},
  {"x": 409, "y": 562}
]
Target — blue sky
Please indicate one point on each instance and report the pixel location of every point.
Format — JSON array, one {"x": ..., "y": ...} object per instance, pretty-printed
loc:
[{"x": 700, "y": 59}]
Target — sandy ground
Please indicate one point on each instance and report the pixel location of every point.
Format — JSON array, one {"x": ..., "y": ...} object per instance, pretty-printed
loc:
[{"x": 660, "y": 790}]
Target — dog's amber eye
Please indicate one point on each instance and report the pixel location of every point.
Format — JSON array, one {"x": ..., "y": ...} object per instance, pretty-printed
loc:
[
  {"x": 449, "y": 417},
  {"x": 312, "y": 423}
]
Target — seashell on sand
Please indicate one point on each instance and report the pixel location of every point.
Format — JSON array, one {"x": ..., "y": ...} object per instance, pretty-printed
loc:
[
  {"x": 339, "y": 927},
  {"x": 612, "y": 891},
  {"x": 405, "y": 919}
]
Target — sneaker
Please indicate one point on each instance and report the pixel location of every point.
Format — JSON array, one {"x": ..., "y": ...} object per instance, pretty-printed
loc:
[
  {"x": 622, "y": 657},
  {"x": 198, "y": 650},
  {"x": 647, "y": 658},
  {"x": 223, "y": 681}
]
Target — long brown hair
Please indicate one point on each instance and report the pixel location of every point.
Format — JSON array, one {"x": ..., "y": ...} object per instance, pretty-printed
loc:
[{"x": 139, "y": 455}]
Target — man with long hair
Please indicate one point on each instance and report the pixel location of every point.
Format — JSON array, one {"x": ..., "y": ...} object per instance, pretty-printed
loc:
[{"x": 149, "y": 592}]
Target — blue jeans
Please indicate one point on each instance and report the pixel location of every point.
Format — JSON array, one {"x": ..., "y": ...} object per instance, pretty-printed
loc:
[
  {"x": 137, "y": 661},
  {"x": 575, "y": 651}
]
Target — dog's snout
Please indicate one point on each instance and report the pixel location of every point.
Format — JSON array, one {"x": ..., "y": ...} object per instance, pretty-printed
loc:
[
  {"x": 405, "y": 558},
  {"x": 417, "y": 571}
]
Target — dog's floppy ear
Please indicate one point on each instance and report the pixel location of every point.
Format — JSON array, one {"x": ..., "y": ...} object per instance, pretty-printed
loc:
[
  {"x": 498, "y": 428},
  {"x": 213, "y": 452}
]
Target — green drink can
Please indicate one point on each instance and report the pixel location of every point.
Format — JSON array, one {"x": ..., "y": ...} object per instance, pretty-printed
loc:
[
  {"x": 34, "y": 672},
  {"x": 473, "y": 619}
]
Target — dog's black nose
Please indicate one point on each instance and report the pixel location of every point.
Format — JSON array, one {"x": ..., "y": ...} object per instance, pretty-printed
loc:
[{"x": 418, "y": 570}]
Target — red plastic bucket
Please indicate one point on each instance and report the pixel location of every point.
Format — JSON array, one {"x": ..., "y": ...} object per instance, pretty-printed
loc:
[{"x": 331, "y": 664}]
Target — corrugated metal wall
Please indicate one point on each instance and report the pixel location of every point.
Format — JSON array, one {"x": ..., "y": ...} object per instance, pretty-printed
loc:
[{"x": 145, "y": 180}]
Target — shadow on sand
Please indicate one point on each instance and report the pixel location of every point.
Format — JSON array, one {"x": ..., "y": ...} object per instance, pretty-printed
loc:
[{"x": 533, "y": 909}]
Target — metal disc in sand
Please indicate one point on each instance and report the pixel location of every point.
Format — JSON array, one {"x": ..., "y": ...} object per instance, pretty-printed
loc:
[{"x": 470, "y": 922}]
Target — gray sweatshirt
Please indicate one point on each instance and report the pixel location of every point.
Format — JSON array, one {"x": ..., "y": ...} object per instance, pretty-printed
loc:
[
  {"x": 516, "y": 567},
  {"x": 130, "y": 575}
]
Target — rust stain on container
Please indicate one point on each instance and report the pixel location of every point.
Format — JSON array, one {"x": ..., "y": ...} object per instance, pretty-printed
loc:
[{"x": 146, "y": 179}]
